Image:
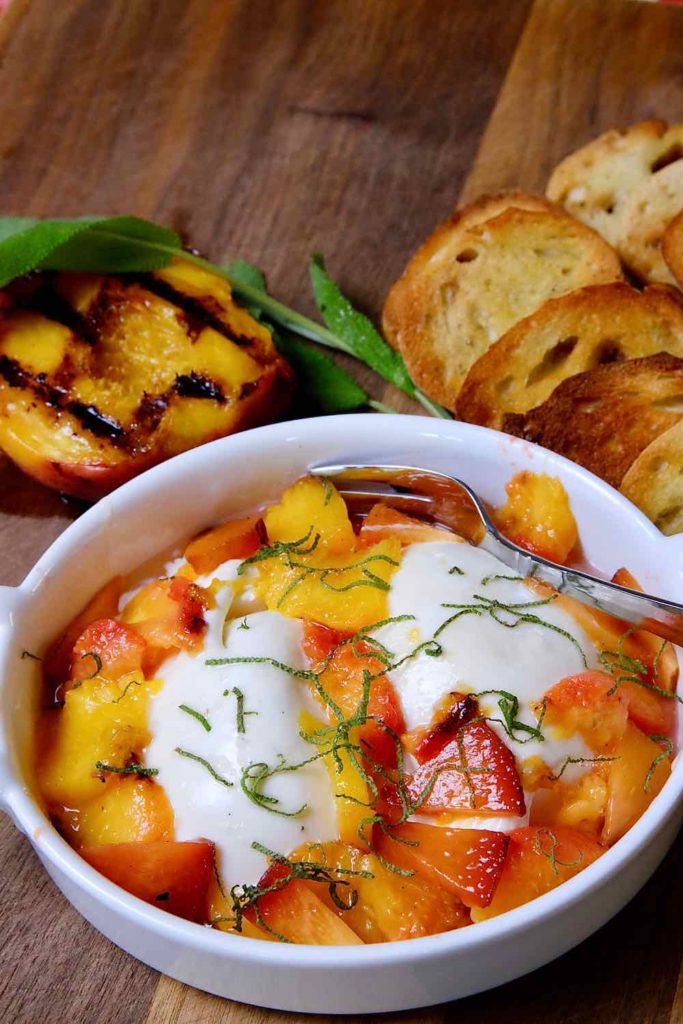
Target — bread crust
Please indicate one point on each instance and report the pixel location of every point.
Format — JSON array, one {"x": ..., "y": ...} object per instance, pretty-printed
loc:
[
  {"x": 672, "y": 247},
  {"x": 480, "y": 272},
  {"x": 627, "y": 185},
  {"x": 647, "y": 214},
  {"x": 566, "y": 336},
  {"x": 655, "y": 481},
  {"x": 604, "y": 418}
]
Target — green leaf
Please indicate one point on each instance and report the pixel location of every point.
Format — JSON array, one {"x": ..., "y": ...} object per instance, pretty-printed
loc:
[
  {"x": 15, "y": 225},
  {"x": 97, "y": 244},
  {"x": 116, "y": 245},
  {"x": 356, "y": 331},
  {"x": 320, "y": 378},
  {"x": 242, "y": 272}
]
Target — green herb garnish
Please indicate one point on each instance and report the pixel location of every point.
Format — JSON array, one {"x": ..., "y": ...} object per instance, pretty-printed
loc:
[
  {"x": 319, "y": 378},
  {"x": 551, "y": 854},
  {"x": 509, "y": 709},
  {"x": 204, "y": 722},
  {"x": 98, "y": 664},
  {"x": 129, "y": 769},
  {"x": 579, "y": 760},
  {"x": 510, "y": 615},
  {"x": 239, "y": 696},
  {"x": 205, "y": 764},
  {"x": 133, "y": 682},
  {"x": 662, "y": 756},
  {"x": 626, "y": 669},
  {"x": 246, "y": 896}
]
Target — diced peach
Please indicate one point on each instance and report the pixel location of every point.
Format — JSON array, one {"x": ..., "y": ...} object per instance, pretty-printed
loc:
[
  {"x": 172, "y": 876},
  {"x": 311, "y": 508},
  {"x": 537, "y": 516},
  {"x": 296, "y": 912},
  {"x": 652, "y": 712},
  {"x": 108, "y": 648},
  {"x": 475, "y": 772},
  {"x": 57, "y": 666},
  {"x": 453, "y": 712},
  {"x": 634, "y": 779},
  {"x": 344, "y": 590},
  {"x": 467, "y": 862},
  {"x": 237, "y": 538},
  {"x": 169, "y": 614},
  {"x": 538, "y": 860},
  {"x": 388, "y": 906},
  {"x": 101, "y": 720},
  {"x": 590, "y": 704},
  {"x": 579, "y": 804},
  {"x": 129, "y": 810},
  {"x": 345, "y": 665}
]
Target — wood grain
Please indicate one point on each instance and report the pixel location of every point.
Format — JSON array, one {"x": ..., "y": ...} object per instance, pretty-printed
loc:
[
  {"x": 581, "y": 67},
  {"x": 269, "y": 129}
]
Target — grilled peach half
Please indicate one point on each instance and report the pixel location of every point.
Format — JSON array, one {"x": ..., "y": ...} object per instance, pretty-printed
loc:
[{"x": 104, "y": 376}]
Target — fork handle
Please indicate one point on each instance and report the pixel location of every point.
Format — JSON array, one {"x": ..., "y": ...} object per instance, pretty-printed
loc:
[{"x": 654, "y": 614}]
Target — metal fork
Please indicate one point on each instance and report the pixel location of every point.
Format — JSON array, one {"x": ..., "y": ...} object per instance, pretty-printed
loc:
[{"x": 451, "y": 502}]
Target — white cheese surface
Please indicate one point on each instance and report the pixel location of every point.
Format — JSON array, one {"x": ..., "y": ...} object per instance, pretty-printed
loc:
[
  {"x": 274, "y": 699},
  {"x": 478, "y": 653}
]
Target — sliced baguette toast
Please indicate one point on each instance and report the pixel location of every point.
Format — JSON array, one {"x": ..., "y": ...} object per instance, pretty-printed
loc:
[
  {"x": 647, "y": 214},
  {"x": 444, "y": 245},
  {"x": 577, "y": 332},
  {"x": 604, "y": 418},
  {"x": 655, "y": 481},
  {"x": 672, "y": 248},
  {"x": 627, "y": 185},
  {"x": 478, "y": 275}
]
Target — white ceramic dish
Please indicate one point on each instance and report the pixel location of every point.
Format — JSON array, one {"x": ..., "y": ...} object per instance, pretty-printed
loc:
[{"x": 175, "y": 500}]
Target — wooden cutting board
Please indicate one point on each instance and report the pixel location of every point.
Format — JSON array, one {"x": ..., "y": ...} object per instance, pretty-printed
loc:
[{"x": 271, "y": 129}]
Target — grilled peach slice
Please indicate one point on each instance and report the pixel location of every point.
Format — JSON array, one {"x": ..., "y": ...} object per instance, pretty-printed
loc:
[{"x": 101, "y": 377}]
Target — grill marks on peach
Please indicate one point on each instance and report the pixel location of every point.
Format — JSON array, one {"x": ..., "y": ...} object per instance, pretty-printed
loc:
[{"x": 90, "y": 330}]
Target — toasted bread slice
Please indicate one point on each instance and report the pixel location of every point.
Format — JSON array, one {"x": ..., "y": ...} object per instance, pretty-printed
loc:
[
  {"x": 477, "y": 275},
  {"x": 672, "y": 248},
  {"x": 444, "y": 245},
  {"x": 655, "y": 481},
  {"x": 604, "y": 418},
  {"x": 647, "y": 214},
  {"x": 627, "y": 185},
  {"x": 569, "y": 335}
]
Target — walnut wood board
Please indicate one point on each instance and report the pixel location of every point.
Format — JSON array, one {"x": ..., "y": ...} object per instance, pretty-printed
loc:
[{"x": 270, "y": 129}]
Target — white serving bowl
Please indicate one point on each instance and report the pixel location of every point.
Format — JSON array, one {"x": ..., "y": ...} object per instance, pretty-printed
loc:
[{"x": 172, "y": 502}]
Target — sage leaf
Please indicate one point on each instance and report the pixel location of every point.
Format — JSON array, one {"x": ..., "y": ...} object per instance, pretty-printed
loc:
[
  {"x": 320, "y": 378},
  {"x": 360, "y": 336},
  {"x": 96, "y": 244}
]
